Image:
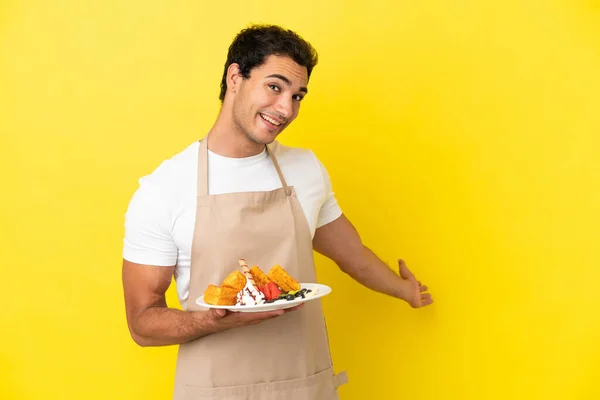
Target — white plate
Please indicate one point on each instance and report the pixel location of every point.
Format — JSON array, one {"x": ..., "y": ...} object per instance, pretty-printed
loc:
[{"x": 321, "y": 290}]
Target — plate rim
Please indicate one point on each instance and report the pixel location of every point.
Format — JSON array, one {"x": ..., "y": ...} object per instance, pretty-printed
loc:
[{"x": 324, "y": 290}]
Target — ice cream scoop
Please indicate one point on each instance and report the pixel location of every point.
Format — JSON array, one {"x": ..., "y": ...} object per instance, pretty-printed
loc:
[{"x": 249, "y": 295}]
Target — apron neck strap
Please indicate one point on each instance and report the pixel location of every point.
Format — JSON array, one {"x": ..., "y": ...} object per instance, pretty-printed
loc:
[
  {"x": 203, "y": 169},
  {"x": 288, "y": 190}
]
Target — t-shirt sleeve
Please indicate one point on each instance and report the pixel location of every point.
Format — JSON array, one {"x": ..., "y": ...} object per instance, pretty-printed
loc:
[
  {"x": 330, "y": 210},
  {"x": 148, "y": 238}
]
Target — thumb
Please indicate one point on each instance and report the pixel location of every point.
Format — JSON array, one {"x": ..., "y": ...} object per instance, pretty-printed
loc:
[{"x": 403, "y": 270}]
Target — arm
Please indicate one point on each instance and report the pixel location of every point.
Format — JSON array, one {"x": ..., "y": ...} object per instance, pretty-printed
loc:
[
  {"x": 339, "y": 241},
  {"x": 152, "y": 323}
]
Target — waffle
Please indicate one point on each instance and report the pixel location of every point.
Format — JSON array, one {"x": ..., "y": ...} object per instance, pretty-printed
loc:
[
  {"x": 283, "y": 279},
  {"x": 220, "y": 295},
  {"x": 235, "y": 280},
  {"x": 259, "y": 277}
]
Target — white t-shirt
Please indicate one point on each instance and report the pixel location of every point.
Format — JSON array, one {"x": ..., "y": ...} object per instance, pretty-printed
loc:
[{"x": 159, "y": 222}]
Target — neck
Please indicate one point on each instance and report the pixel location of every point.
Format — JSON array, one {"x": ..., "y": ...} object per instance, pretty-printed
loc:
[{"x": 225, "y": 138}]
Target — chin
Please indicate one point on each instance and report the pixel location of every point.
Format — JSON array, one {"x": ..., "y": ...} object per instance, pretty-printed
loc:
[{"x": 263, "y": 137}]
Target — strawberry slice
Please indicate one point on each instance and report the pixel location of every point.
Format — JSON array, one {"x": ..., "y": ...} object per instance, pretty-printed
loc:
[
  {"x": 263, "y": 290},
  {"x": 271, "y": 290}
]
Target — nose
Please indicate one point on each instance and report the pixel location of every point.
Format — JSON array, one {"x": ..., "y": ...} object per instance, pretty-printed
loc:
[{"x": 284, "y": 106}]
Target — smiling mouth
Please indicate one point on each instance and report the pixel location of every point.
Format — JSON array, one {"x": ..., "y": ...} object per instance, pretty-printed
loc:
[{"x": 270, "y": 120}]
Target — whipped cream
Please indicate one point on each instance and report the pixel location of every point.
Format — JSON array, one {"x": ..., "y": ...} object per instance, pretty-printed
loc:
[{"x": 249, "y": 295}]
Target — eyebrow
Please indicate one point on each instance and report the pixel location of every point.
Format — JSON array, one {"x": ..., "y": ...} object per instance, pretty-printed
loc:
[{"x": 286, "y": 80}]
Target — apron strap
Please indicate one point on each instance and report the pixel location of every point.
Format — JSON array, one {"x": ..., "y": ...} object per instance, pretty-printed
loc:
[
  {"x": 340, "y": 379},
  {"x": 202, "y": 187},
  {"x": 288, "y": 190}
]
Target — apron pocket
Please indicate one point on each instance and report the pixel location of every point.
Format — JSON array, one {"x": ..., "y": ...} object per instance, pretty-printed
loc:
[{"x": 321, "y": 386}]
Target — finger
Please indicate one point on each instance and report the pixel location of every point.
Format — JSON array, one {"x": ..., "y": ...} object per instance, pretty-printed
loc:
[
  {"x": 259, "y": 316},
  {"x": 294, "y": 308},
  {"x": 426, "y": 302},
  {"x": 425, "y": 296},
  {"x": 276, "y": 313},
  {"x": 217, "y": 313},
  {"x": 423, "y": 288}
]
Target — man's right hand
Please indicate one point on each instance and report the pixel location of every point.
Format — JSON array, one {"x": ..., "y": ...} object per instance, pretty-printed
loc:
[{"x": 220, "y": 320}]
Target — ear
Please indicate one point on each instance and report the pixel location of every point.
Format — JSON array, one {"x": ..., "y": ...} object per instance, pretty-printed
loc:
[{"x": 234, "y": 78}]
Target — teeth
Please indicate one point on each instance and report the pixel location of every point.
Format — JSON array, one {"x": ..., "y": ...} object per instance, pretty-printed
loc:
[{"x": 271, "y": 120}]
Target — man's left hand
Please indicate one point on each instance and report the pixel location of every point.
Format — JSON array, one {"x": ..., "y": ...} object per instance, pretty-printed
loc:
[{"x": 416, "y": 294}]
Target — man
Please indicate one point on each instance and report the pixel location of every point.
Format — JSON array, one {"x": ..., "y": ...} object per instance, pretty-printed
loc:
[{"x": 238, "y": 193}]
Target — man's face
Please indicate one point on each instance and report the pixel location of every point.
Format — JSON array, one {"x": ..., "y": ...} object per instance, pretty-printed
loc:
[{"x": 269, "y": 100}]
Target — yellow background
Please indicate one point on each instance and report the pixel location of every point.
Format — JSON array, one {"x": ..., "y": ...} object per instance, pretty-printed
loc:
[{"x": 459, "y": 135}]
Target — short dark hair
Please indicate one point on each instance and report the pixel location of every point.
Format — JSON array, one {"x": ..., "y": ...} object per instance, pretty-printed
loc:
[{"x": 251, "y": 47}]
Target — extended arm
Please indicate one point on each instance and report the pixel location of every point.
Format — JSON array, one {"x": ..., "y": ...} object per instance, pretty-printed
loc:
[
  {"x": 340, "y": 242},
  {"x": 152, "y": 323}
]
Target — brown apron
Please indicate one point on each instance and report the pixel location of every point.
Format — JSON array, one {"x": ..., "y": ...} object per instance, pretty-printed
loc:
[{"x": 286, "y": 357}]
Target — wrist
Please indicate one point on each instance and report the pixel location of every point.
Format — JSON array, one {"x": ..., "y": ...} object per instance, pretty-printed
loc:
[
  {"x": 205, "y": 325},
  {"x": 402, "y": 289}
]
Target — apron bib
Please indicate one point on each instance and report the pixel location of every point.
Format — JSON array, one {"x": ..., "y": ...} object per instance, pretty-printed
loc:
[{"x": 285, "y": 357}]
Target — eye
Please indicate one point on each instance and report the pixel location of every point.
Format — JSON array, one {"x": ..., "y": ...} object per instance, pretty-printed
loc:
[
  {"x": 274, "y": 87},
  {"x": 298, "y": 97}
]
